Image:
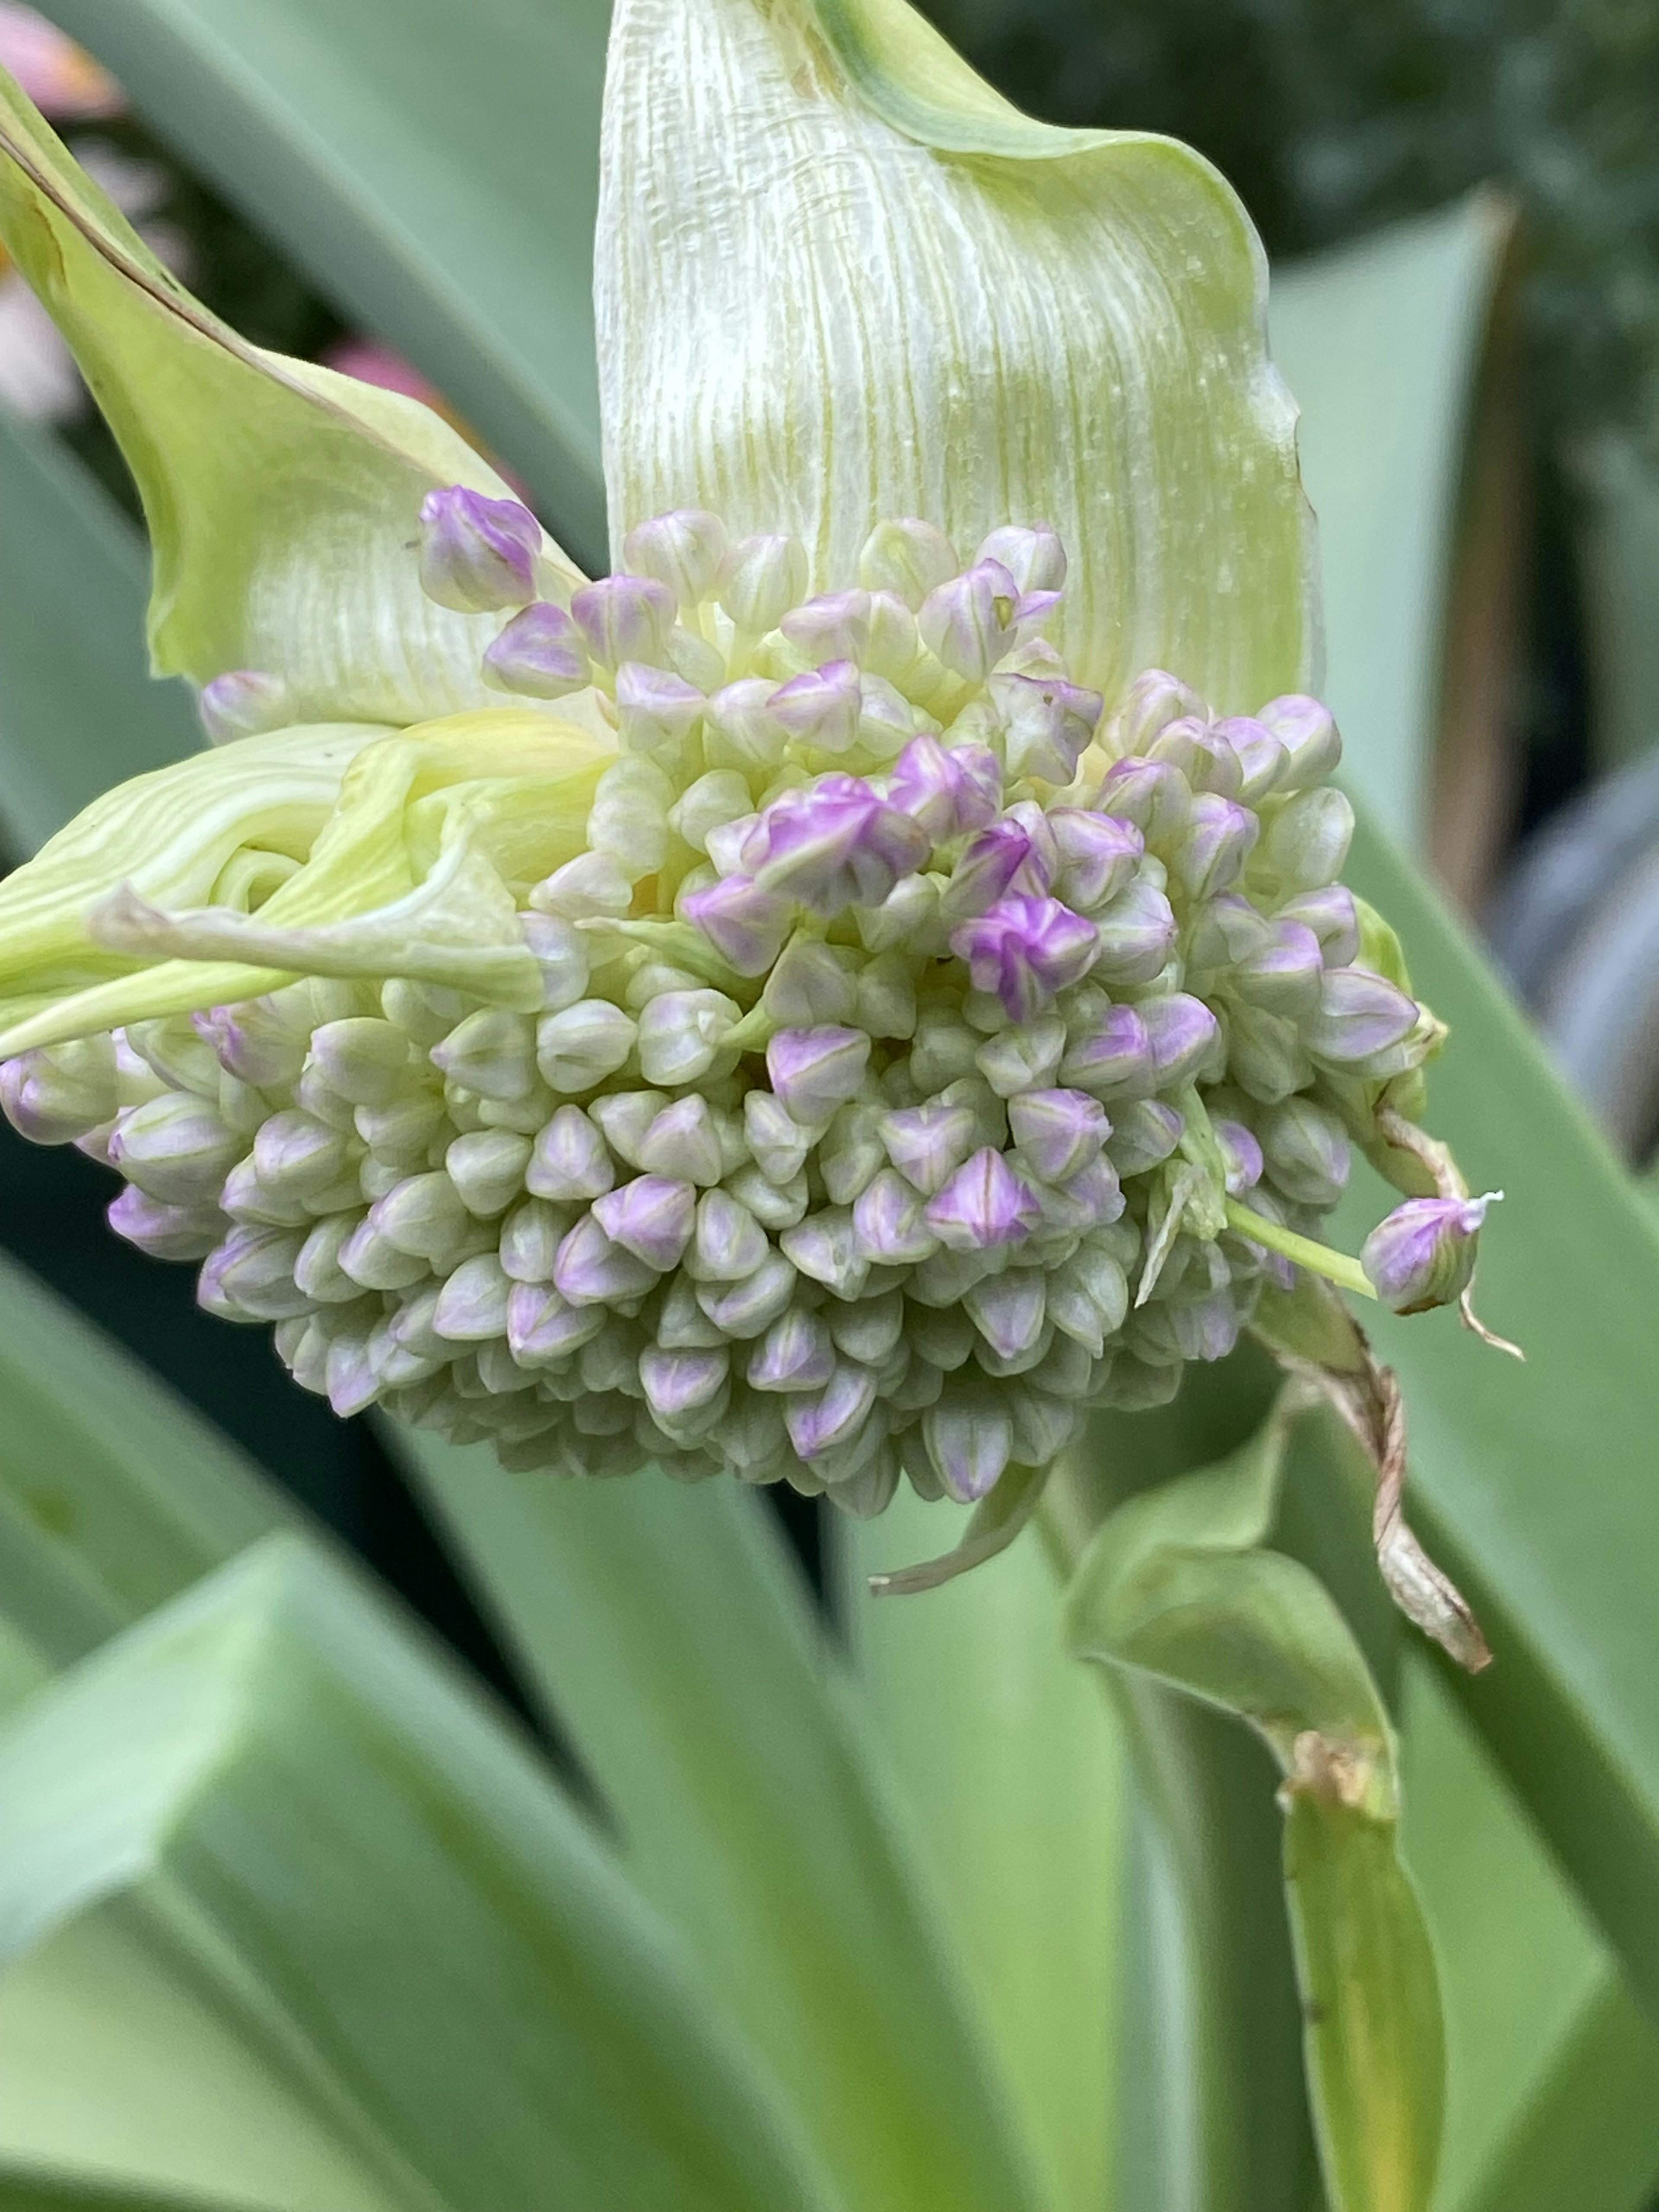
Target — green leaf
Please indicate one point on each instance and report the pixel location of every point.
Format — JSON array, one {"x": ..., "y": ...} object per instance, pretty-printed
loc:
[
  {"x": 44, "y": 2189},
  {"x": 1533, "y": 1485},
  {"x": 281, "y": 498},
  {"x": 1011, "y": 1770},
  {"x": 77, "y": 711},
  {"x": 367, "y": 1864},
  {"x": 663, "y": 1630},
  {"x": 434, "y": 168},
  {"x": 988, "y": 321},
  {"x": 1173, "y": 1586},
  {"x": 114, "y": 1495}
]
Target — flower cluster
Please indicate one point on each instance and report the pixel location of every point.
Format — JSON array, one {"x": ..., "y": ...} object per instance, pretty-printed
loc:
[{"x": 918, "y": 1061}]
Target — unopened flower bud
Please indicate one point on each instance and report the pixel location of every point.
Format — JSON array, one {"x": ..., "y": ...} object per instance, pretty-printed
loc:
[
  {"x": 1306, "y": 1153},
  {"x": 1110, "y": 1052},
  {"x": 163, "y": 1232},
  {"x": 1135, "y": 935},
  {"x": 729, "y": 1243},
  {"x": 492, "y": 1052},
  {"x": 1154, "y": 700},
  {"x": 1144, "y": 1133},
  {"x": 1034, "y": 557},
  {"x": 890, "y": 1221},
  {"x": 364, "y": 1058},
  {"x": 250, "y": 1276},
  {"x": 58, "y": 1094},
  {"x": 747, "y": 926},
  {"x": 948, "y": 792},
  {"x": 1097, "y": 856},
  {"x": 624, "y": 618},
  {"x": 1057, "y": 1132},
  {"x": 1307, "y": 841},
  {"x": 908, "y": 558},
  {"x": 969, "y": 621},
  {"x": 834, "y": 846},
  {"x": 651, "y": 1216},
  {"x": 984, "y": 1204},
  {"x": 1423, "y": 1255},
  {"x": 244, "y": 702},
  {"x": 472, "y": 1304},
  {"x": 796, "y": 1354},
  {"x": 761, "y": 578},
  {"x": 683, "y": 551},
  {"x": 814, "y": 1071},
  {"x": 578, "y": 1047},
  {"x": 742, "y": 713},
  {"x": 1152, "y": 795},
  {"x": 1047, "y": 723},
  {"x": 824, "y": 1248},
  {"x": 681, "y": 1033},
  {"x": 175, "y": 1148},
  {"x": 539, "y": 654},
  {"x": 834, "y": 627},
  {"x": 822, "y": 1424},
  {"x": 477, "y": 554},
  {"x": 654, "y": 706},
  {"x": 294, "y": 1154},
  {"x": 1025, "y": 1057},
  {"x": 1262, "y": 758},
  {"x": 894, "y": 649},
  {"x": 678, "y": 1383},
  {"x": 592, "y": 1269},
  {"x": 1264, "y": 1053},
  {"x": 1215, "y": 846},
  {"x": 1181, "y": 1031},
  {"x": 683, "y": 1139},
  {"x": 542, "y": 1327},
  {"x": 1026, "y": 950},
  {"x": 1304, "y": 728},
  {"x": 1330, "y": 914},
  {"x": 969, "y": 1440},
  {"x": 820, "y": 709},
  {"x": 487, "y": 1168},
  {"x": 1240, "y": 1155},
  {"x": 1359, "y": 1014},
  {"x": 570, "y": 1161},
  {"x": 422, "y": 1215}
]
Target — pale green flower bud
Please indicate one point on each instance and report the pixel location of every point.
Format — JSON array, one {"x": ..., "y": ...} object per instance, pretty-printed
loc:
[
  {"x": 175, "y": 1148},
  {"x": 583, "y": 1044},
  {"x": 760, "y": 580},
  {"x": 681, "y": 1033},
  {"x": 684, "y": 550},
  {"x": 1307, "y": 841}
]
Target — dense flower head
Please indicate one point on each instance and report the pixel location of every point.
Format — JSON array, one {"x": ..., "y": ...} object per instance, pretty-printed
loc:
[{"x": 907, "y": 1033}]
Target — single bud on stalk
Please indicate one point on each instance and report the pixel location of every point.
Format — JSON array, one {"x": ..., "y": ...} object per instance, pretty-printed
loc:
[{"x": 1423, "y": 1253}]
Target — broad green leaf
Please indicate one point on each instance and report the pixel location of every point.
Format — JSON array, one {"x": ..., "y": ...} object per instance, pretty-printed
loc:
[
  {"x": 78, "y": 712},
  {"x": 1174, "y": 1586},
  {"x": 434, "y": 167},
  {"x": 1009, "y": 1767},
  {"x": 1381, "y": 342},
  {"x": 1533, "y": 1485},
  {"x": 281, "y": 498},
  {"x": 24, "y": 2188},
  {"x": 114, "y": 1496},
  {"x": 368, "y": 1866},
  {"x": 1553, "y": 2073},
  {"x": 664, "y": 1630},
  {"x": 838, "y": 278}
]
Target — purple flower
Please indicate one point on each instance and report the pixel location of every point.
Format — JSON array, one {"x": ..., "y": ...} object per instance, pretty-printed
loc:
[
  {"x": 1181, "y": 1031},
  {"x": 1240, "y": 1154},
  {"x": 540, "y": 654},
  {"x": 1112, "y": 1053},
  {"x": 983, "y": 1205},
  {"x": 1047, "y": 723},
  {"x": 624, "y": 618},
  {"x": 744, "y": 924},
  {"x": 833, "y": 628},
  {"x": 1218, "y": 842},
  {"x": 833, "y": 845},
  {"x": 1359, "y": 1014},
  {"x": 1026, "y": 950},
  {"x": 820, "y": 709},
  {"x": 477, "y": 554},
  {"x": 1004, "y": 857},
  {"x": 1152, "y": 794},
  {"x": 1097, "y": 854},
  {"x": 947, "y": 792},
  {"x": 1057, "y": 1133},
  {"x": 969, "y": 622},
  {"x": 1423, "y": 1255},
  {"x": 814, "y": 1071},
  {"x": 652, "y": 1217},
  {"x": 1283, "y": 972}
]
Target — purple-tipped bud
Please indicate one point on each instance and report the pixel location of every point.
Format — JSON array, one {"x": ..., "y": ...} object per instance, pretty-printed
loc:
[
  {"x": 651, "y": 1216},
  {"x": 1359, "y": 1014},
  {"x": 244, "y": 702},
  {"x": 1202, "y": 754},
  {"x": 1262, "y": 757},
  {"x": 250, "y": 1276},
  {"x": 949, "y": 791},
  {"x": 625, "y": 619},
  {"x": 821, "y": 709},
  {"x": 477, "y": 554},
  {"x": 729, "y": 1244},
  {"x": 570, "y": 1162},
  {"x": 540, "y": 654},
  {"x": 578, "y": 1047},
  {"x": 1111, "y": 1052},
  {"x": 1097, "y": 855},
  {"x": 166, "y": 1233},
  {"x": 1155, "y": 700},
  {"x": 907, "y": 558},
  {"x": 994, "y": 861},
  {"x": 1057, "y": 1133},
  {"x": 833, "y": 845},
  {"x": 742, "y": 713},
  {"x": 835, "y": 628},
  {"x": 176, "y": 1148},
  {"x": 1241, "y": 1156},
  {"x": 1309, "y": 738},
  {"x": 890, "y": 1223},
  {"x": 970, "y": 621},
  {"x": 746, "y": 926},
  {"x": 1331, "y": 914},
  {"x": 1209, "y": 857},
  {"x": 1423, "y": 1255},
  {"x": 1144, "y": 1133},
  {"x": 928, "y": 1144},
  {"x": 654, "y": 706},
  {"x": 985, "y": 1204},
  {"x": 1136, "y": 933},
  {"x": 796, "y": 1354},
  {"x": 969, "y": 1440},
  {"x": 254, "y": 1041},
  {"x": 1026, "y": 950},
  {"x": 683, "y": 1139},
  {"x": 1306, "y": 1153},
  {"x": 681, "y": 1033},
  {"x": 1156, "y": 797},
  {"x": 592, "y": 1268},
  {"x": 542, "y": 1328},
  {"x": 1181, "y": 1031},
  {"x": 1033, "y": 556},
  {"x": 1283, "y": 972},
  {"x": 1047, "y": 723},
  {"x": 683, "y": 551},
  {"x": 677, "y": 1382},
  {"x": 60, "y": 1093},
  {"x": 761, "y": 578},
  {"x": 813, "y": 1071},
  {"x": 1307, "y": 841}
]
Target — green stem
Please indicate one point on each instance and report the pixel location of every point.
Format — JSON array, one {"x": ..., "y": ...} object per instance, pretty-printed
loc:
[{"x": 1336, "y": 1267}]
